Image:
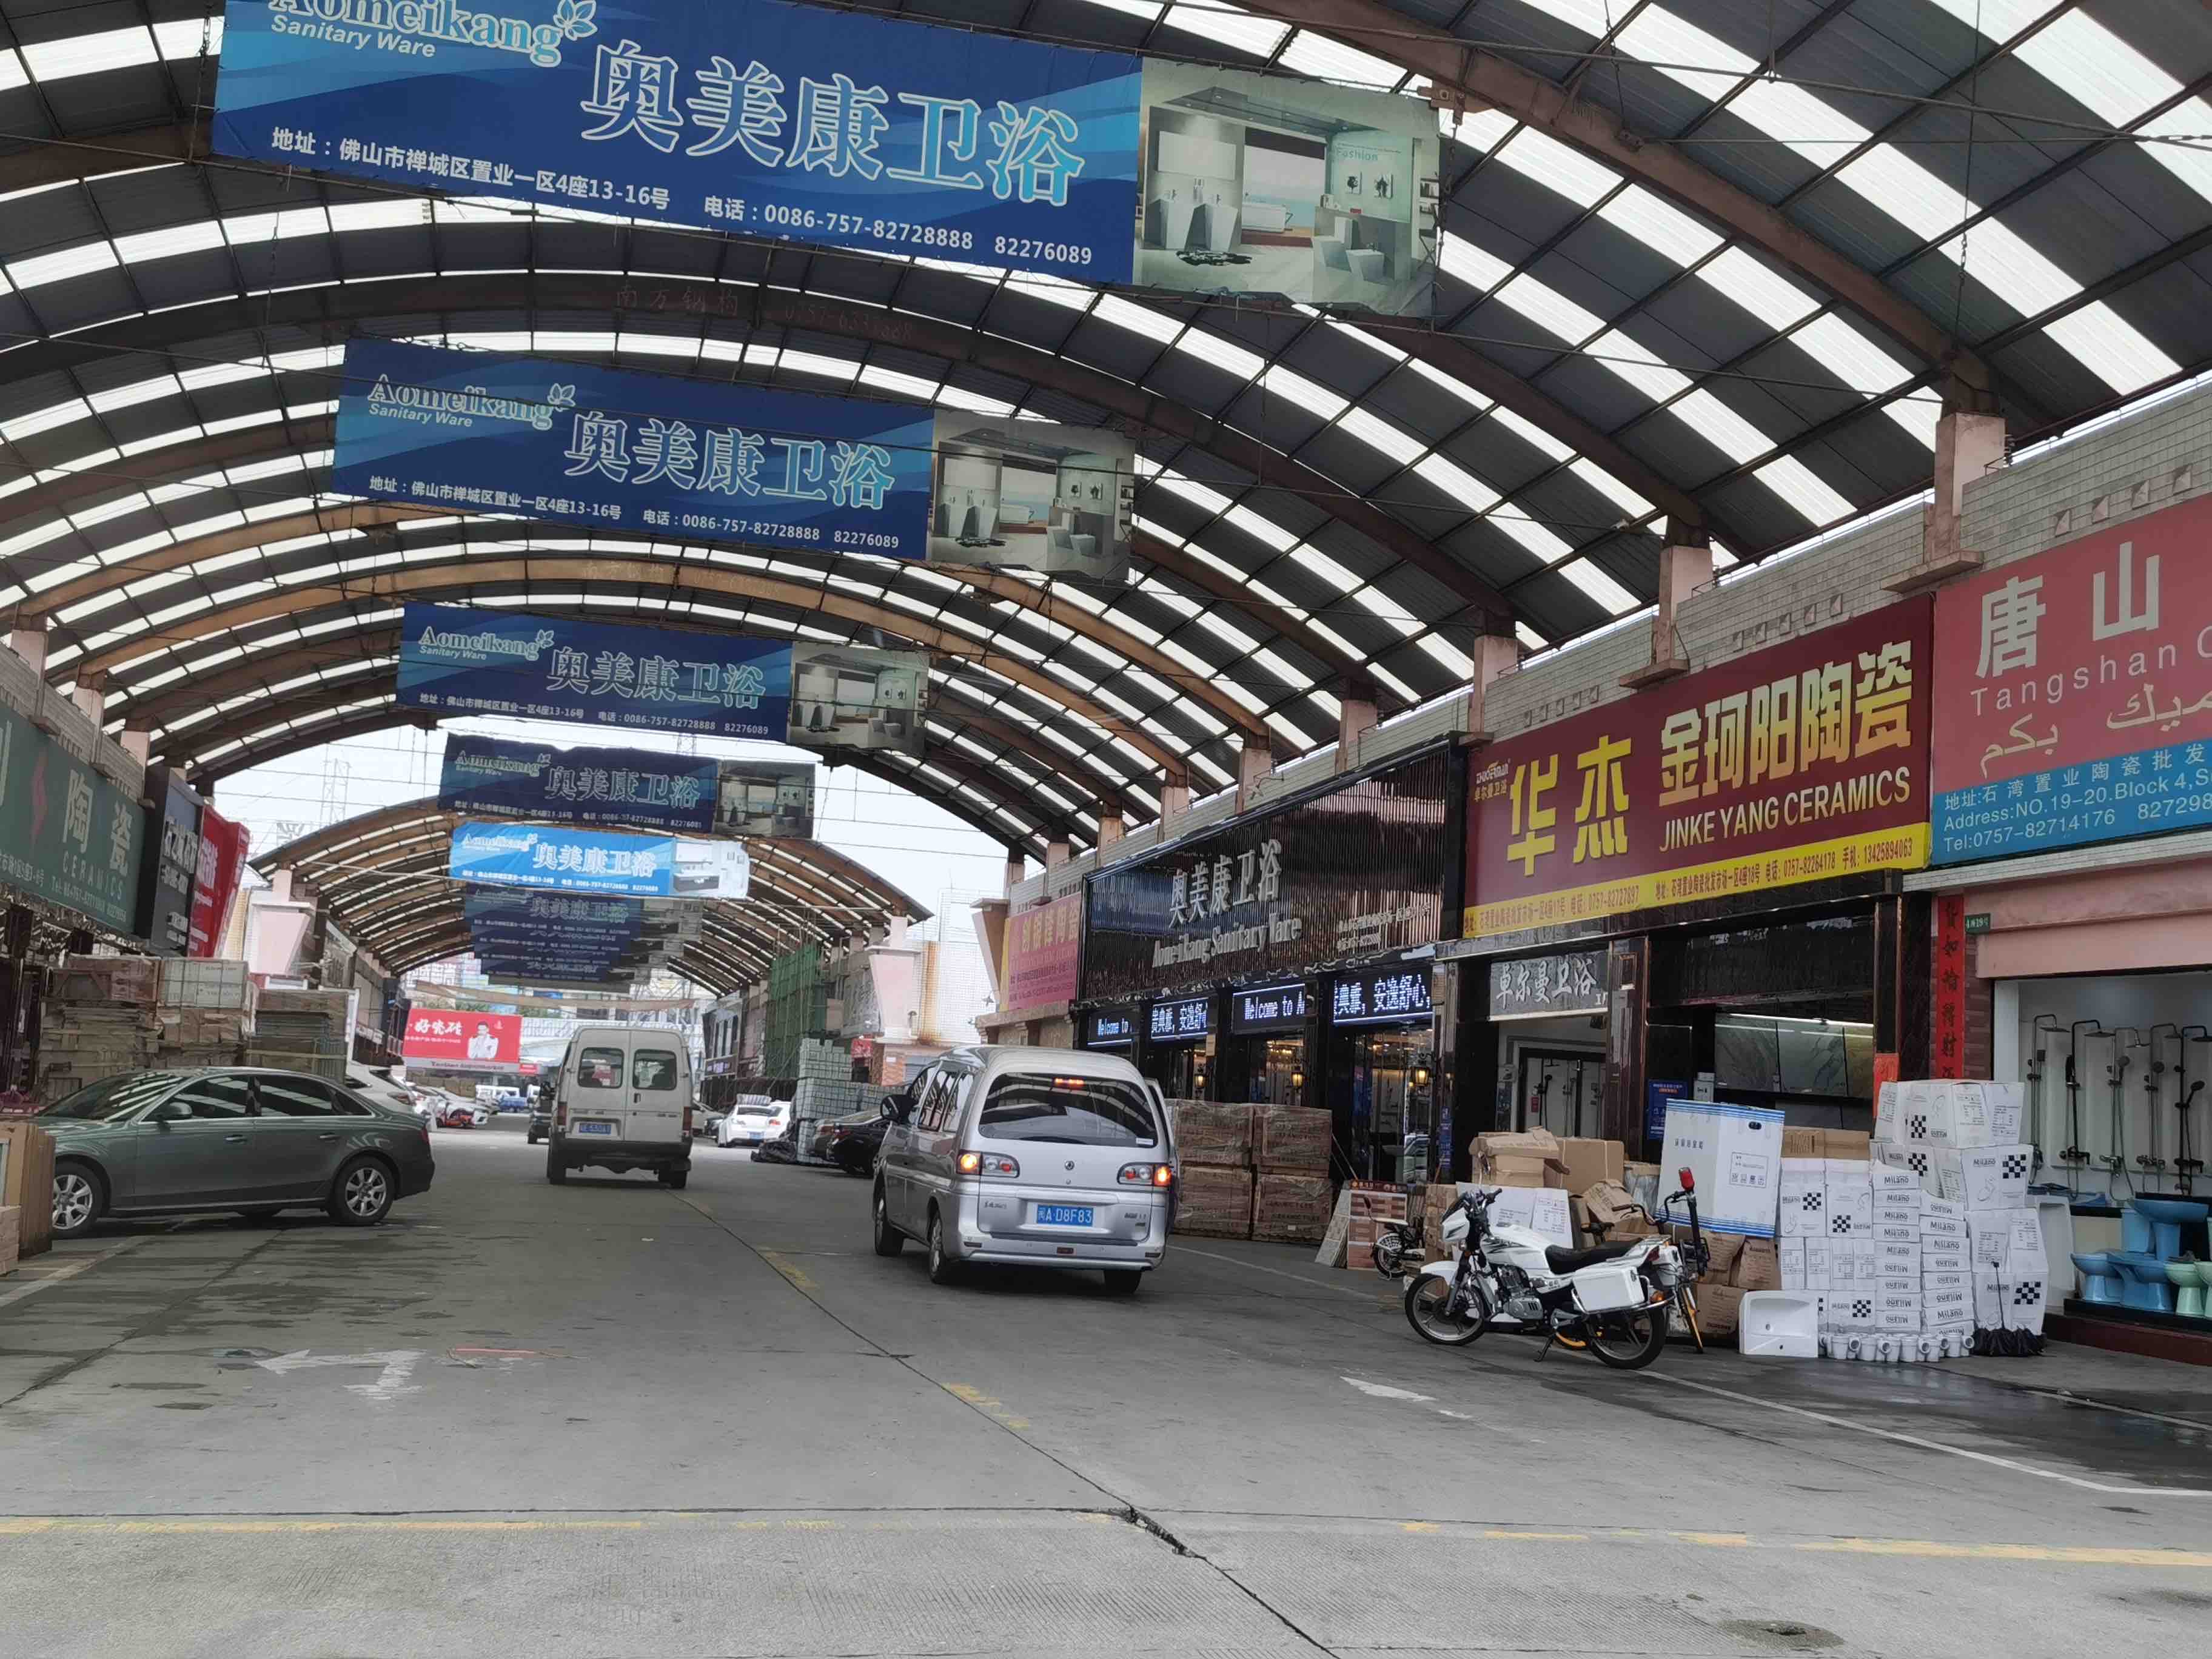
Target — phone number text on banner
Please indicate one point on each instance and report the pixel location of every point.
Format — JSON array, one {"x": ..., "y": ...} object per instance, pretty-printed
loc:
[
  {"x": 605, "y": 449},
  {"x": 774, "y": 120}
]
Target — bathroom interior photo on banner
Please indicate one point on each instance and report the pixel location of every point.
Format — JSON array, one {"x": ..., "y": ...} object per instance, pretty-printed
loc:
[
  {"x": 1254, "y": 185},
  {"x": 1033, "y": 496}
]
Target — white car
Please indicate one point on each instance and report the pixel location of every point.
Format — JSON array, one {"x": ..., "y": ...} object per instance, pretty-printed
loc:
[{"x": 754, "y": 1119}]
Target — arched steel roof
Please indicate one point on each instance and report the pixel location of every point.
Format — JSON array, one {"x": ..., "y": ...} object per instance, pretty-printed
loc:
[
  {"x": 381, "y": 877},
  {"x": 1708, "y": 270}
]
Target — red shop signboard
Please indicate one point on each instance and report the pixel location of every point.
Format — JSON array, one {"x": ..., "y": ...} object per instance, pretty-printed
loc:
[
  {"x": 1044, "y": 952},
  {"x": 1804, "y": 762},
  {"x": 2074, "y": 703}
]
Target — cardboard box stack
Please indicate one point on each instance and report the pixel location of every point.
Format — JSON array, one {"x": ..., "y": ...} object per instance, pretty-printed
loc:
[
  {"x": 1213, "y": 1145},
  {"x": 1375, "y": 1205},
  {"x": 1949, "y": 1155},
  {"x": 98, "y": 1019},
  {"x": 1290, "y": 1192},
  {"x": 204, "y": 1012}
]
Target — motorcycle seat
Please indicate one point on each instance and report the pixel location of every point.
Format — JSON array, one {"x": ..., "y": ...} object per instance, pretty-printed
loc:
[{"x": 1563, "y": 1260}]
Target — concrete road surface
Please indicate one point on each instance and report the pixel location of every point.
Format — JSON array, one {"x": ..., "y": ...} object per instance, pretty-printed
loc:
[{"x": 605, "y": 1419}]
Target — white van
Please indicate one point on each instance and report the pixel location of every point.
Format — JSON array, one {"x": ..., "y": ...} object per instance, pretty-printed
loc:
[
  {"x": 622, "y": 1101},
  {"x": 1041, "y": 1157}
]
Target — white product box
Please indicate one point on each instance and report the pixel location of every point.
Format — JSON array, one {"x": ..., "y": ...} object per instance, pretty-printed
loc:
[
  {"x": 1804, "y": 1212},
  {"x": 1888, "y": 1108},
  {"x": 1790, "y": 1255},
  {"x": 1735, "y": 1153},
  {"x": 2026, "y": 1253},
  {"x": 1988, "y": 1235},
  {"x": 1847, "y": 1169},
  {"x": 1895, "y": 1185},
  {"x": 1963, "y": 1117},
  {"x": 1898, "y": 1258},
  {"x": 1901, "y": 1320},
  {"x": 1947, "y": 1307},
  {"x": 1942, "y": 1209},
  {"x": 1542, "y": 1210},
  {"x": 2021, "y": 1301},
  {"x": 1914, "y": 1113},
  {"x": 1944, "y": 1261},
  {"x": 1894, "y": 1215},
  {"x": 2008, "y": 1111},
  {"x": 1851, "y": 1197},
  {"x": 1898, "y": 1285},
  {"x": 1898, "y": 1232},
  {"x": 1985, "y": 1177},
  {"x": 1849, "y": 1310},
  {"x": 1819, "y": 1259},
  {"x": 1930, "y": 1283},
  {"x": 1933, "y": 1227},
  {"x": 1801, "y": 1170}
]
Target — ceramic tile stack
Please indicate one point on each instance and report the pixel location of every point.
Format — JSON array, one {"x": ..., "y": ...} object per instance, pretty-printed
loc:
[
  {"x": 823, "y": 1064},
  {"x": 1984, "y": 1273},
  {"x": 205, "y": 1011},
  {"x": 303, "y": 1031},
  {"x": 1290, "y": 1192},
  {"x": 97, "y": 1020}
]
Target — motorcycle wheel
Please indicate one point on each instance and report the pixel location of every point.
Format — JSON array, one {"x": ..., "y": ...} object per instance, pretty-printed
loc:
[
  {"x": 1388, "y": 1255},
  {"x": 1426, "y": 1301},
  {"x": 1629, "y": 1342}
]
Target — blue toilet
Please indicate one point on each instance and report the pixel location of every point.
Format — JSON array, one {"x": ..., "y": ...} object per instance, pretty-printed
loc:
[
  {"x": 2144, "y": 1284},
  {"x": 2154, "y": 1225},
  {"x": 2099, "y": 1281}
]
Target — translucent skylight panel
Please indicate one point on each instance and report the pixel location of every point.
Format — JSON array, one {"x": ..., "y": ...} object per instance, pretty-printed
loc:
[
  {"x": 12, "y": 72},
  {"x": 1212, "y": 501},
  {"x": 1309, "y": 53},
  {"x": 1462, "y": 260},
  {"x": 1579, "y": 178},
  {"x": 44, "y": 420},
  {"x": 196, "y": 237},
  {"x": 1529, "y": 637},
  {"x": 1658, "y": 224},
  {"x": 1799, "y": 485},
  {"x": 1544, "y": 544},
  {"x": 1213, "y": 348},
  {"x": 89, "y": 54},
  {"x": 1264, "y": 530},
  {"x": 1610, "y": 487},
  {"x": 1308, "y": 394},
  {"x": 1258, "y": 36},
  {"x": 1454, "y": 661},
  {"x": 1611, "y": 596},
  {"x": 1380, "y": 434},
  {"x": 1457, "y": 482},
  {"x": 61, "y": 266},
  {"x": 182, "y": 37},
  {"x": 389, "y": 215}
]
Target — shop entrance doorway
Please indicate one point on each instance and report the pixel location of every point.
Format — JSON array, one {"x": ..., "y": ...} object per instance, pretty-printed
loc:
[
  {"x": 1393, "y": 1095},
  {"x": 1560, "y": 1090}
]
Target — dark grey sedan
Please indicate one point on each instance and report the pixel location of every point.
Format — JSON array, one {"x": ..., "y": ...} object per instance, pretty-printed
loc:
[{"x": 244, "y": 1139}]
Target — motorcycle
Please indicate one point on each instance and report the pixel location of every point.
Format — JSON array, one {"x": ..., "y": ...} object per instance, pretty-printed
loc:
[{"x": 1613, "y": 1299}]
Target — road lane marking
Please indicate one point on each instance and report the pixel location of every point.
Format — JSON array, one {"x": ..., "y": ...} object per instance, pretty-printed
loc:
[
  {"x": 1389, "y": 1301},
  {"x": 395, "y": 1367},
  {"x": 2080, "y": 1555},
  {"x": 1924, "y": 1444},
  {"x": 992, "y": 1408},
  {"x": 61, "y": 1274},
  {"x": 1384, "y": 1391},
  {"x": 795, "y": 1274}
]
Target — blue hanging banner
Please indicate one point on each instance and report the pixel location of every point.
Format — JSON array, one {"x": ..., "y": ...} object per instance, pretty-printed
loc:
[
  {"x": 788, "y": 122},
  {"x": 492, "y": 777},
  {"x": 598, "y": 861},
  {"x": 608, "y": 449},
  {"x": 454, "y": 660}
]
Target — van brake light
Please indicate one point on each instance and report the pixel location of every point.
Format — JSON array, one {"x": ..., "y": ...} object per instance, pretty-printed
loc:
[
  {"x": 1147, "y": 1175},
  {"x": 997, "y": 1165}
]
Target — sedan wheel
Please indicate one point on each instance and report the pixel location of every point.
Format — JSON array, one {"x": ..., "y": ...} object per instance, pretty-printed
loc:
[
  {"x": 362, "y": 1196},
  {"x": 77, "y": 1199}
]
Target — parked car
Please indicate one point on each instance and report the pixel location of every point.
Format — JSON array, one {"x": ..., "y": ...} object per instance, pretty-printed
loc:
[
  {"x": 622, "y": 1101},
  {"x": 853, "y": 1146},
  {"x": 1045, "y": 1157},
  {"x": 830, "y": 1131},
  {"x": 463, "y": 1115},
  {"x": 541, "y": 1118},
  {"x": 246, "y": 1139},
  {"x": 754, "y": 1121}
]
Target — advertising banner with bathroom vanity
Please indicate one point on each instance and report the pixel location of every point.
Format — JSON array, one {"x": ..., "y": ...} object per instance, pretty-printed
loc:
[
  {"x": 2074, "y": 698},
  {"x": 493, "y": 777},
  {"x": 709, "y": 461},
  {"x": 796, "y": 123},
  {"x": 458, "y": 660},
  {"x": 1804, "y": 762}
]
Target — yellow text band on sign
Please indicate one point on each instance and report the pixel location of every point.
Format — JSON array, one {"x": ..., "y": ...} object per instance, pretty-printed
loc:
[{"x": 1905, "y": 847}]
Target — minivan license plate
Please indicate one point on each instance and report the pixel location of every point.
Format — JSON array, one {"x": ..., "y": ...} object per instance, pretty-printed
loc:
[
  {"x": 1063, "y": 1215},
  {"x": 595, "y": 1128}
]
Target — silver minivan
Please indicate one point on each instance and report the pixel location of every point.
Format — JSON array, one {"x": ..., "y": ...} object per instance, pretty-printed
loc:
[{"x": 1041, "y": 1157}]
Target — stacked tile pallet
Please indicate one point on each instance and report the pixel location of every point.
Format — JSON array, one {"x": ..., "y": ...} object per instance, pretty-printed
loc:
[
  {"x": 825, "y": 1084},
  {"x": 98, "y": 1019},
  {"x": 1251, "y": 1172},
  {"x": 302, "y": 1032},
  {"x": 205, "y": 1012}
]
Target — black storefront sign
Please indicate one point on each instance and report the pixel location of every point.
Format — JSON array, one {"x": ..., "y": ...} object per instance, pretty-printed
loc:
[
  {"x": 1570, "y": 984},
  {"x": 1344, "y": 875},
  {"x": 1270, "y": 1008},
  {"x": 171, "y": 865},
  {"x": 1382, "y": 996},
  {"x": 1109, "y": 1029},
  {"x": 1185, "y": 1020}
]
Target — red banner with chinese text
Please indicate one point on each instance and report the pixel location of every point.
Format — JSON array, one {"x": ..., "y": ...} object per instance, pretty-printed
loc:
[
  {"x": 450, "y": 1039},
  {"x": 1946, "y": 1055},
  {"x": 1044, "y": 951},
  {"x": 1801, "y": 763}
]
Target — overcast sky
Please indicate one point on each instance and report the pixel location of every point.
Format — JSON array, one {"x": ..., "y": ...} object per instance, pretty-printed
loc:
[{"x": 932, "y": 856}]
